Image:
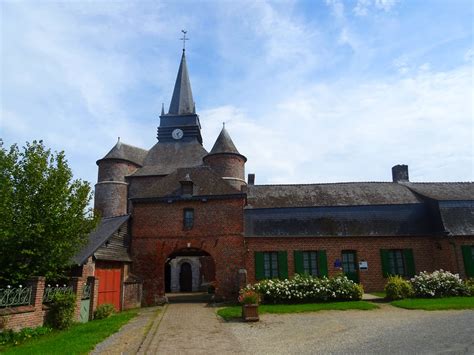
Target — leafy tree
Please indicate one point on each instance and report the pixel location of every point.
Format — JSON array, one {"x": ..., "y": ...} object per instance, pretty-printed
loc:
[{"x": 44, "y": 214}]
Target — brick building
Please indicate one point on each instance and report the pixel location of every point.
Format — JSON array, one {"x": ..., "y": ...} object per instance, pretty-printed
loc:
[{"x": 193, "y": 222}]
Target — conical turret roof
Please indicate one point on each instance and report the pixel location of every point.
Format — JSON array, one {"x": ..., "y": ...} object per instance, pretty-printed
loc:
[
  {"x": 224, "y": 145},
  {"x": 182, "y": 101},
  {"x": 122, "y": 151}
]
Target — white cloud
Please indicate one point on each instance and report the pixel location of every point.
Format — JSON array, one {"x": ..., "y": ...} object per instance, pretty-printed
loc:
[
  {"x": 341, "y": 132},
  {"x": 364, "y": 7}
]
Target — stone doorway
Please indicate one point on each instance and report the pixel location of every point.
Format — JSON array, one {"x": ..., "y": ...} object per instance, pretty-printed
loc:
[
  {"x": 185, "y": 278},
  {"x": 189, "y": 270}
]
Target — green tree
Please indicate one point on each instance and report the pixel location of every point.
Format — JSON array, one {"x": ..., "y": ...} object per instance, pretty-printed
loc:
[{"x": 44, "y": 214}]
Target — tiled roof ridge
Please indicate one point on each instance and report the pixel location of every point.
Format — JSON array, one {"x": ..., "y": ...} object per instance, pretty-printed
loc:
[{"x": 327, "y": 183}]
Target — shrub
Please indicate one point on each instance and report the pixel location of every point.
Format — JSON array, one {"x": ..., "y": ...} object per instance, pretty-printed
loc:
[
  {"x": 104, "y": 311},
  {"x": 61, "y": 311},
  {"x": 469, "y": 286},
  {"x": 11, "y": 337},
  {"x": 305, "y": 288},
  {"x": 398, "y": 288},
  {"x": 438, "y": 284}
]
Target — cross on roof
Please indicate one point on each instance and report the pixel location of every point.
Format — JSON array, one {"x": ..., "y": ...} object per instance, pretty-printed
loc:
[{"x": 184, "y": 39}]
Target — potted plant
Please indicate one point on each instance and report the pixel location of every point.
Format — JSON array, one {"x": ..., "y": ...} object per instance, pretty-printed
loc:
[{"x": 249, "y": 300}]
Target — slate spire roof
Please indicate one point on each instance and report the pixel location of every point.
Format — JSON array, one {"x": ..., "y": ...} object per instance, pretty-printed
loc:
[
  {"x": 182, "y": 101},
  {"x": 224, "y": 144}
]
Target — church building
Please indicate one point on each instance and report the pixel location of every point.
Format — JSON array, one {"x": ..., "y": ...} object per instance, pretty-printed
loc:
[{"x": 181, "y": 219}]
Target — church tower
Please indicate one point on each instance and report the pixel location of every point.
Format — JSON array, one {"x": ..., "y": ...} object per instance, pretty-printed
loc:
[{"x": 181, "y": 123}]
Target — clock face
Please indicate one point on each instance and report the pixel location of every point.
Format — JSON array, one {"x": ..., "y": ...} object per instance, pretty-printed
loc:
[{"x": 177, "y": 134}]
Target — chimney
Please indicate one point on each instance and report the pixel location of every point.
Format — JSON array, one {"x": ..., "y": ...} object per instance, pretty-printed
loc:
[
  {"x": 251, "y": 179},
  {"x": 400, "y": 173}
]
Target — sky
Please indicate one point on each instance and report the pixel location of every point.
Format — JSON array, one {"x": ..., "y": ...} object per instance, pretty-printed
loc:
[{"x": 310, "y": 91}]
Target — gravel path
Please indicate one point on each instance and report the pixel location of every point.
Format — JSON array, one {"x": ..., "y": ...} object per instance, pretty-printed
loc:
[
  {"x": 194, "y": 328},
  {"x": 386, "y": 330}
]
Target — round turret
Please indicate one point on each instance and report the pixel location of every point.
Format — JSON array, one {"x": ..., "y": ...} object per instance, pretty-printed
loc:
[
  {"x": 110, "y": 197},
  {"x": 226, "y": 161}
]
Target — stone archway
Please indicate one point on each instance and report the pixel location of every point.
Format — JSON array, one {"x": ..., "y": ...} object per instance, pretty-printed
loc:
[{"x": 201, "y": 270}]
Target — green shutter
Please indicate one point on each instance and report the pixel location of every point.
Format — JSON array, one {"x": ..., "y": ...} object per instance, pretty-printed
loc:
[
  {"x": 282, "y": 265},
  {"x": 259, "y": 268},
  {"x": 409, "y": 262},
  {"x": 298, "y": 260},
  {"x": 385, "y": 262},
  {"x": 322, "y": 263},
  {"x": 468, "y": 262}
]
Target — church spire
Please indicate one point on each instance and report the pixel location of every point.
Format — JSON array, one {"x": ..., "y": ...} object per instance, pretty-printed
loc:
[{"x": 182, "y": 102}]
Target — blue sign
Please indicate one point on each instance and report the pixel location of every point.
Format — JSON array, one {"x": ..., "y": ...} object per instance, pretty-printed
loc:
[{"x": 337, "y": 263}]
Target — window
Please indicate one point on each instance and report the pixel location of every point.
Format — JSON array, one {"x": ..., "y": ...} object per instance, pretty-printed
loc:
[
  {"x": 270, "y": 265},
  {"x": 310, "y": 263},
  {"x": 348, "y": 262},
  {"x": 188, "y": 220},
  {"x": 397, "y": 262}
]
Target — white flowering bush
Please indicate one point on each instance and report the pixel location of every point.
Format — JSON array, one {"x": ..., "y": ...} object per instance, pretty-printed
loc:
[
  {"x": 439, "y": 283},
  {"x": 301, "y": 289}
]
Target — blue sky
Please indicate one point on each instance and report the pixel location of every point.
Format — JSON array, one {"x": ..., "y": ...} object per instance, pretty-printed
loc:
[{"x": 311, "y": 91}]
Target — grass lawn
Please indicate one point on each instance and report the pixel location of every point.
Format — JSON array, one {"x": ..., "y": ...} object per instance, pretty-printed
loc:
[
  {"x": 79, "y": 339},
  {"x": 236, "y": 311},
  {"x": 435, "y": 304}
]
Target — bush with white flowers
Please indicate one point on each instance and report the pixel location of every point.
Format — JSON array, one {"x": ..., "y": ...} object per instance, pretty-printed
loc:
[
  {"x": 304, "y": 288},
  {"x": 439, "y": 283}
]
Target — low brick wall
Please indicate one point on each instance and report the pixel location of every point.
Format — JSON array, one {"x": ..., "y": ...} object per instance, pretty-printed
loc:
[{"x": 35, "y": 314}]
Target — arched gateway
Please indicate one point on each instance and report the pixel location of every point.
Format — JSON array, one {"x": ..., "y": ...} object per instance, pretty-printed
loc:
[{"x": 189, "y": 270}]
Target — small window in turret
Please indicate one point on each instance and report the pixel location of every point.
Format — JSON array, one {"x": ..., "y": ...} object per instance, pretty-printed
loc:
[{"x": 188, "y": 218}]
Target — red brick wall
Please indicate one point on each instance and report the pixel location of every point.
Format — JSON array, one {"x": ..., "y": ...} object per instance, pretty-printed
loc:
[
  {"x": 157, "y": 230},
  {"x": 115, "y": 170},
  {"x": 228, "y": 165},
  {"x": 430, "y": 253}
]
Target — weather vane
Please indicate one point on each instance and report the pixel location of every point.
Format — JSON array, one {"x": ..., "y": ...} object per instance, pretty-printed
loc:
[{"x": 184, "y": 39}]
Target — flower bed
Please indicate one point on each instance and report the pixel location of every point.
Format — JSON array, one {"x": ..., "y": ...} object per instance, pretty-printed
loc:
[{"x": 303, "y": 289}]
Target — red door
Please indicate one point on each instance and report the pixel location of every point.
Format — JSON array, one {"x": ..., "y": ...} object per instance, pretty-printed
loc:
[{"x": 109, "y": 276}]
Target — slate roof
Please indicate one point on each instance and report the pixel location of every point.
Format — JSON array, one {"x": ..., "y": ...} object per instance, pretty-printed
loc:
[
  {"x": 126, "y": 152},
  {"x": 224, "y": 144},
  {"x": 443, "y": 191},
  {"x": 341, "y": 221},
  {"x": 205, "y": 183},
  {"x": 182, "y": 101},
  {"x": 457, "y": 217},
  {"x": 106, "y": 228},
  {"x": 333, "y": 194},
  {"x": 164, "y": 158}
]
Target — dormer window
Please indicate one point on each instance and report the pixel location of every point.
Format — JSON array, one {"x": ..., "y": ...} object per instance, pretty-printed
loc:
[
  {"x": 188, "y": 218},
  {"x": 187, "y": 186}
]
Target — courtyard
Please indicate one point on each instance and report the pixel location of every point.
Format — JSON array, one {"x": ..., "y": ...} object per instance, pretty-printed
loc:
[{"x": 194, "y": 328}]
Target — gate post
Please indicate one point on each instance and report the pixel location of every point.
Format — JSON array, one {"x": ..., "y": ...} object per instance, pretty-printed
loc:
[
  {"x": 94, "y": 283},
  {"x": 77, "y": 286}
]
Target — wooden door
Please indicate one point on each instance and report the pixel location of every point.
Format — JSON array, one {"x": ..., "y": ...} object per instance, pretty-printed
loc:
[
  {"x": 110, "y": 277},
  {"x": 186, "y": 278}
]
